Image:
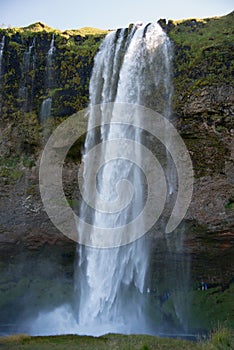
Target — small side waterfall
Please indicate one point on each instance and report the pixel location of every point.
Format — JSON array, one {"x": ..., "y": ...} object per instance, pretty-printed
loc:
[
  {"x": 132, "y": 66},
  {"x": 45, "y": 111},
  {"x": 49, "y": 65},
  {"x": 27, "y": 79},
  {"x": 2, "y": 45}
]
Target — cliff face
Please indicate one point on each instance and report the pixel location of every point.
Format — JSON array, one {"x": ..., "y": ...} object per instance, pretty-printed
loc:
[
  {"x": 203, "y": 102},
  {"x": 44, "y": 78},
  {"x": 40, "y": 64}
]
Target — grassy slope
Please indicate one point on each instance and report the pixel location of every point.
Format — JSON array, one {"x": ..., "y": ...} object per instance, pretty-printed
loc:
[
  {"x": 200, "y": 34},
  {"x": 203, "y": 53},
  {"x": 41, "y": 27}
]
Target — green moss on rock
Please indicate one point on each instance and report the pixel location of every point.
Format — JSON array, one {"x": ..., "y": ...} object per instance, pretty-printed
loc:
[
  {"x": 203, "y": 54},
  {"x": 24, "y": 85}
]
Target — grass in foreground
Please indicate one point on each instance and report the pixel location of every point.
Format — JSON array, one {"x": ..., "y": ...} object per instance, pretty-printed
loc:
[
  {"x": 110, "y": 341},
  {"x": 221, "y": 339}
]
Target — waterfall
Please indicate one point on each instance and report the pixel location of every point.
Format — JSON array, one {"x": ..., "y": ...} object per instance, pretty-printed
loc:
[
  {"x": 132, "y": 66},
  {"x": 49, "y": 65},
  {"x": 46, "y": 105},
  {"x": 27, "y": 79},
  {"x": 2, "y": 44},
  {"x": 45, "y": 109},
  {"x": 114, "y": 289}
]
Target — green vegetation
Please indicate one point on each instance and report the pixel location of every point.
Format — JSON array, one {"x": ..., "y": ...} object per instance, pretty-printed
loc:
[
  {"x": 72, "y": 63},
  {"x": 16, "y": 161},
  {"x": 122, "y": 342},
  {"x": 203, "y": 54},
  {"x": 86, "y": 31},
  {"x": 214, "y": 150},
  {"x": 9, "y": 176},
  {"x": 9, "y": 171},
  {"x": 46, "y": 286},
  {"x": 221, "y": 339},
  {"x": 9, "y": 162},
  {"x": 211, "y": 307},
  {"x": 230, "y": 204},
  {"x": 12, "y": 168},
  {"x": 203, "y": 68},
  {"x": 203, "y": 51},
  {"x": 203, "y": 60},
  {"x": 42, "y": 27},
  {"x": 206, "y": 309},
  {"x": 202, "y": 34},
  {"x": 73, "y": 202}
]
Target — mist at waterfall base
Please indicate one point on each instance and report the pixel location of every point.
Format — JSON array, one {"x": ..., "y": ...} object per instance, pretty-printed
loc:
[{"x": 120, "y": 290}]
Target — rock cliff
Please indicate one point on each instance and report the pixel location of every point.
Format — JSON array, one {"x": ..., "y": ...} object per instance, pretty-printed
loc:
[{"x": 41, "y": 64}]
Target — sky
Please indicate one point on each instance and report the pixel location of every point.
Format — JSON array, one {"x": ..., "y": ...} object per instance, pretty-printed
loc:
[{"x": 105, "y": 14}]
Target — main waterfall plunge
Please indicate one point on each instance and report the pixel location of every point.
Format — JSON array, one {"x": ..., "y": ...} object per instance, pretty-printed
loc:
[
  {"x": 132, "y": 66},
  {"x": 113, "y": 288}
]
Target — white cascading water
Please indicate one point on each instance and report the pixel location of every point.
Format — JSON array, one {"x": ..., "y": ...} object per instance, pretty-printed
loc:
[
  {"x": 45, "y": 111},
  {"x": 46, "y": 105},
  {"x": 132, "y": 66},
  {"x": 2, "y": 44},
  {"x": 111, "y": 288},
  {"x": 49, "y": 64},
  {"x": 26, "y": 82}
]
